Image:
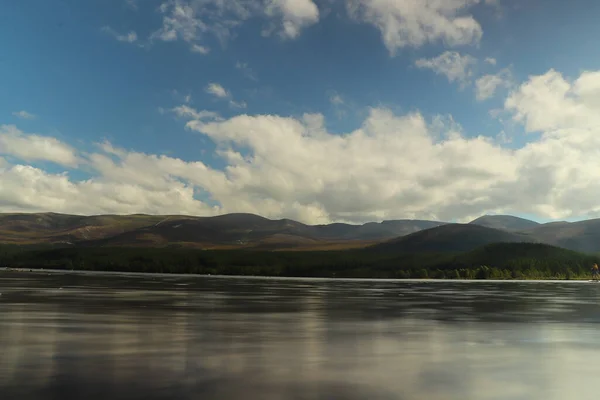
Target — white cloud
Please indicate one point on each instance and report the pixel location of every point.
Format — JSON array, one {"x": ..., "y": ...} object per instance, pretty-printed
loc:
[
  {"x": 405, "y": 23},
  {"x": 130, "y": 37},
  {"x": 401, "y": 166},
  {"x": 25, "y": 188},
  {"x": 453, "y": 65},
  {"x": 23, "y": 115},
  {"x": 220, "y": 92},
  {"x": 392, "y": 166},
  {"x": 30, "y": 147},
  {"x": 196, "y": 48},
  {"x": 486, "y": 85},
  {"x": 193, "y": 20},
  {"x": 188, "y": 112},
  {"x": 550, "y": 103},
  {"x": 563, "y": 165},
  {"x": 295, "y": 15},
  {"x": 217, "y": 90},
  {"x": 179, "y": 22},
  {"x": 490, "y": 60},
  {"x": 402, "y": 23}
]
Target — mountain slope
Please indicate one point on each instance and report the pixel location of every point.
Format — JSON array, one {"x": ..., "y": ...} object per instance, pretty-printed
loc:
[
  {"x": 253, "y": 231},
  {"x": 583, "y": 236},
  {"x": 505, "y": 222},
  {"x": 450, "y": 238},
  {"x": 372, "y": 230},
  {"x": 224, "y": 230},
  {"x": 245, "y": 230},
  {"x": 21, "y": 228}
]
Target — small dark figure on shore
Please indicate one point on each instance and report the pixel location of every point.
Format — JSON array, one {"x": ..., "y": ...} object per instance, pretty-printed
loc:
[{"x": 595, "y": 272}]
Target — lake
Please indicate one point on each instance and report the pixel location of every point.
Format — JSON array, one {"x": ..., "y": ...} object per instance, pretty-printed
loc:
[{"x": 95, "y": 336}]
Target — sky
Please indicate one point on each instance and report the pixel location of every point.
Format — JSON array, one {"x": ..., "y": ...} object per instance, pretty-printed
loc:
[{"x": 315, "y": 110}]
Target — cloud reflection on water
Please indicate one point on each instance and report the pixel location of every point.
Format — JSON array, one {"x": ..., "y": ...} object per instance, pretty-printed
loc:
[{"x": 115, "y": 338}]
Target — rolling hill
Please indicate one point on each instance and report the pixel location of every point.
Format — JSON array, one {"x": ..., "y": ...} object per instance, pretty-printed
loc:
[
  {"x": 450, "y": 238},
  {"x": 583, "y": 236},
  {"x": 224, "y": 231},
  {"x": 250, "y": 231},
  {"x": 51, "y": 227},
  {"x": 505, "y": 222}
]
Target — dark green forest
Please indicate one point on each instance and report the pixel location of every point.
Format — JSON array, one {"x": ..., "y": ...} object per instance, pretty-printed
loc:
[{"x": 494, "y": 261}]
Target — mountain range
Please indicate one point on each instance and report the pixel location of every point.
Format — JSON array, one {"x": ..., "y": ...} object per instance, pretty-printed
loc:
[{"x": 248, "y": 231}]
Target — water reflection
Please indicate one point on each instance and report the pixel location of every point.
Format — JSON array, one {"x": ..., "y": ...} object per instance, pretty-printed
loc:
[{"x": 105, "y": 337}]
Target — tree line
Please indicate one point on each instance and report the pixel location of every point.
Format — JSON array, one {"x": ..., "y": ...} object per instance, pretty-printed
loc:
[{"x": 495, "y": 261}]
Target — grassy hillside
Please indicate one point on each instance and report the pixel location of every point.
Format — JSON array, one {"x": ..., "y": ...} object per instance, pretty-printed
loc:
[
  {"x": 51, "y": 227},
  {"x": 450, "y": 238},
  {"x": 580, "y": 236}
]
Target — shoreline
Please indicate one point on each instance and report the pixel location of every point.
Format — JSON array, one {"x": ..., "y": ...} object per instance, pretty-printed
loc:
[{"x": 41, "y": 271}]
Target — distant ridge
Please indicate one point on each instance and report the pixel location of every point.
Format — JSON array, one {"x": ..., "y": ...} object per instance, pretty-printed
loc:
[
  {"x": 237, "y": 230},
  {"x": 505, "y": 222},
  {"x": 250, "y": 231}
]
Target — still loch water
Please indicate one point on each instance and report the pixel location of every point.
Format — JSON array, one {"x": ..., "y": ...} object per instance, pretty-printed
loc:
[{"x": 93, "y": 336}]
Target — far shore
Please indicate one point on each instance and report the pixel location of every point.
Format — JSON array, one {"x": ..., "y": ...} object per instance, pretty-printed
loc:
[{"x": 40, "y": 271}]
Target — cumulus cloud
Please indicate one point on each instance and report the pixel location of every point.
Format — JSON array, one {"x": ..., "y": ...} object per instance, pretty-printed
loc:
[
  {"x": 23, "y": 114},
  {"x": 486, "y": 85},
  {"x": 405, "y": 166},
  {"x": 410, "y": 23},
  {"x": 392, "y": 166},
  {"x": 453, "y": 65},
  {"x": 389, "y": 167},
  {"x": 130, "y": 37},
  {"x": 490, "y": 60},
  {"x": 563, "y": 165},
  {"x": 551, "y": 103},
  {"x": 31, "y": 147},
  {"x": 25, "y": 188},
  {"x": 294, "y": 15}
]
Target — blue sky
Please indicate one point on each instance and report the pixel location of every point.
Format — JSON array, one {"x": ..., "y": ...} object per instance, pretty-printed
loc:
[{"x": 78, "y": 74}]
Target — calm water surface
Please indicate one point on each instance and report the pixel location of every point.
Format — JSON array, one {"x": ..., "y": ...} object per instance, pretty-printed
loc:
[{"x": 129, "y": 337}]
